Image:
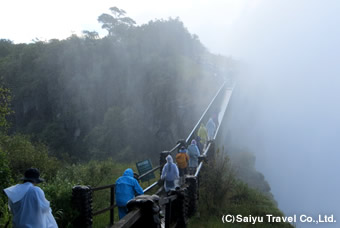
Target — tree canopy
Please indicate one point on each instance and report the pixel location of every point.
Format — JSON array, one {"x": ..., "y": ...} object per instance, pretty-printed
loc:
[{"x": 116, "y": 96}]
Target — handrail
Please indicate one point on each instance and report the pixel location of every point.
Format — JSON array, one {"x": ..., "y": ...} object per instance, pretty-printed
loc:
[
  {"x": 198, "y": 169},
  {"x": 150, "y": 187},
  {"x": 200, "y": 119},
  {"x": 148, "y": 172},
  {"x": 104, "y": 210},
  {"x": 129, "y": 219},
  {"x": 103, "y": 187},
  {"x": 166, "y": 201},
  {"x": 175, "y": 148},
  {"x": 134, "y": 216},
  {"x": 112, "y": 200},
  {"x": 208, "y": 147},
  {"x": 188, "y": 138},
  {"x": 204, "y": 113}
]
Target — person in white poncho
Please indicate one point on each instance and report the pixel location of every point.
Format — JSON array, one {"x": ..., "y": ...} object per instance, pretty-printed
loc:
[
  {"x": 211, "y": 128},
  {"x": 27, "y": 202}
]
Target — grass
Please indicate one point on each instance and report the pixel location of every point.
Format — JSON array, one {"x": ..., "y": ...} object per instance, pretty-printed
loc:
[
  {"x": 221, "y": 193},
  {"x": 243, "y": 201}
]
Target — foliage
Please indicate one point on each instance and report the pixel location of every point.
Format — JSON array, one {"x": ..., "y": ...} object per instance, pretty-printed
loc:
[
  {"x": 92, "y": 35},
  {"x": 59, "y": 192},
  {"x": 216, "y": 185},
  {"x": 116, "y": 24},
  {"x": 5, "y": 110},
  {"x": 221, "y": 194},
  {"x": 5, "y": 181},
  {"x": 92, "y": 98},
  {"x": 23, "y": 154}
]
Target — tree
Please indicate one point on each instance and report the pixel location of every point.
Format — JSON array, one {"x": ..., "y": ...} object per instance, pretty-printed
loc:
[
  {"x": 116, "y": 24},
  {"x": 5, "y": 110},
  {"x": 92, "y": 35}
]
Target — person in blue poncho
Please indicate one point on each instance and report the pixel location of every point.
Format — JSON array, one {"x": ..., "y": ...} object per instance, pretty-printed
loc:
[
  {"x": 28, "y": 204},
  {"x": 169, "y": 174},
  {"x": 193, "y": 153},
  {"x": 126, "y": 189}
]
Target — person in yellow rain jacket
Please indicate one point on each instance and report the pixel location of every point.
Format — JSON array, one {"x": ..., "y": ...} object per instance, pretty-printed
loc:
[{"x": 202, "y": 133}]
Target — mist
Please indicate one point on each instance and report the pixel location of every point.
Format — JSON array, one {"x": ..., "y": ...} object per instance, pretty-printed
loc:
[{"x": 285, "y": 106}]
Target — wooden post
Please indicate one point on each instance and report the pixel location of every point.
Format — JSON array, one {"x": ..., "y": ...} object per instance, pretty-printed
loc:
[
  {"x": 181, "y": 209},
  {"x": 191, "y": 181},
  {"x": 82, "y": 202},
  {"x": 168, "y": 214}
]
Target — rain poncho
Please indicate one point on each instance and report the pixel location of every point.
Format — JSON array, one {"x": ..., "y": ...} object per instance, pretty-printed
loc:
[
  {"x": 193, "y": 153},
  {"x": 126, "y": 188},
  {"x": 182, "y": 158},
  {"x": 29, "y": 207},
  {"x": 211, "y": 128},
  {"x": 202, "y": 133},
  {"x": 169, "y": 174}
]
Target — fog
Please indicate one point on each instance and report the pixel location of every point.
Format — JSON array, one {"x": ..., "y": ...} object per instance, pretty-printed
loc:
[{"x": 285, "y": 108}]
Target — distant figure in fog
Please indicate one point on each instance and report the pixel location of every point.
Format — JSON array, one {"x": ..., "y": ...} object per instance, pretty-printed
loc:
[
  {"x": 182, "y": 159},
  {"x": 169, "y": 174},
  {"x": 28, "y": 204},
  {"x": 215, "y": 119},
  {"x": 211, "y": 128},
  {"x": 126, "y": 189},
  {"x": 193, "y": 153},
  {"x": 199, "y": 144},
  {"x": 202, "y": 133}
]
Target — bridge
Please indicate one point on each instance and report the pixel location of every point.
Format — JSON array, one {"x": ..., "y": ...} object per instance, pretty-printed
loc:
[{"x": 160, "y": 209}]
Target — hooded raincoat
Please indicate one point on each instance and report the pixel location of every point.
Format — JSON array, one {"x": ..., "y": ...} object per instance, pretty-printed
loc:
[
  {"x": 193, "y": 153},
  {"x": 202, "y": 133},
  {"x": 29, "y": 207},
  {"x": 182, "y": 158},
  {"x": 169, "y": 174},
  {"x": 211, "y": 128},
  {"x": 126, "y": 189}
]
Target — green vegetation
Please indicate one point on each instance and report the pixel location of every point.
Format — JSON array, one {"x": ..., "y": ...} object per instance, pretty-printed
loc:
[
  {"x": 133, "y": 92},
  {"x": 222, "y": 193}
]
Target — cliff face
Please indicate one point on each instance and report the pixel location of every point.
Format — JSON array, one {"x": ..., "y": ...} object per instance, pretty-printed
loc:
[{"x": 243, "y": 164}]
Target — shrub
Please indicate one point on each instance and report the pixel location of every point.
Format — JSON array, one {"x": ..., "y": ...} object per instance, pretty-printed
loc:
[
  {"x": 22, "y": 154},
  {"x": 221, "y": 193},
  {"x": 217, "y": 180},
  {"x": 5, "y": 181}
]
